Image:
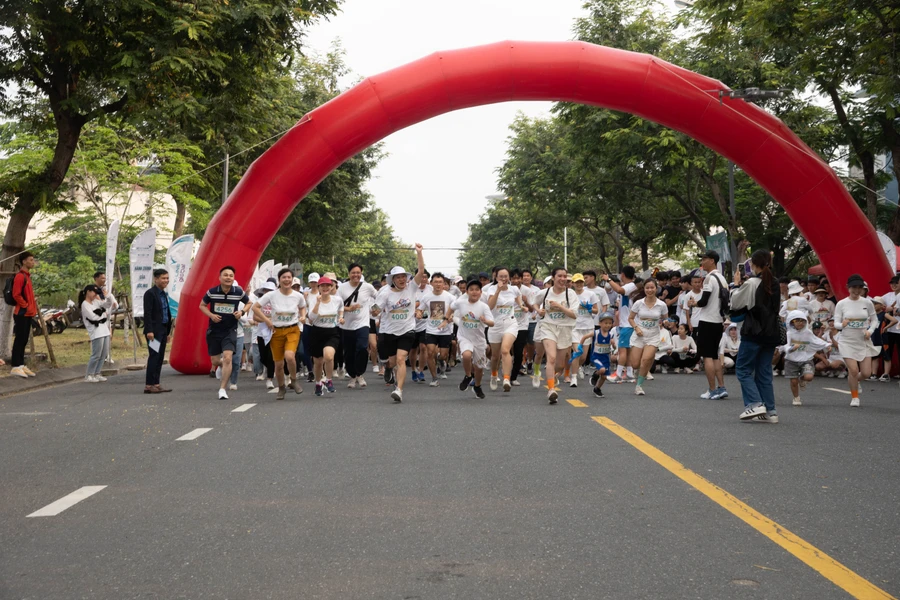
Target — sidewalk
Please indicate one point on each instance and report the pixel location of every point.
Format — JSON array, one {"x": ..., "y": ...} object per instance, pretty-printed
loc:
[{"x": 12, "y": 385}]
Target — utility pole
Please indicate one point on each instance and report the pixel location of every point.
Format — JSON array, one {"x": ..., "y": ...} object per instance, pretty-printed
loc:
[{"x": 225, "y": 178}]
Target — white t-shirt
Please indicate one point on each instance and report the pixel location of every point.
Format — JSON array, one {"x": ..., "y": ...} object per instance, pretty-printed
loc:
[
  {"x": 892, "y": 299},
  {"x": 602, "y": 300},
  {"x": 711, "y": 312},
  {"x": 422, "y": 324},
  {"x": 328, "y": 312},
  {"x": 87, "y": 314},
  {"x": 528, "y": 294},
  {"x": 567, "y": 298},
  {"x": 684, "y": 346},
  {"x": 397, "y": 310},
  {"x": 695, "y": 311},
  {"x": 794, "y": 303},
  {"x": 356, "y": 319},
  {"x": 585, "y": 318},
  {"x": 285, "y": 307},
  {"x": 469, "y": 315},
  {"x": 625, "y": 304},
  {"x": 821, "y": 311},
  {"x": 649, "y": 318},
  {"x": 434, "y": 308},
  {"x": 504, "y": 309}
]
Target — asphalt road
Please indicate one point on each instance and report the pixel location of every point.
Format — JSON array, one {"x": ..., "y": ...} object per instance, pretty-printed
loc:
[{"x": 444, "y": 495}]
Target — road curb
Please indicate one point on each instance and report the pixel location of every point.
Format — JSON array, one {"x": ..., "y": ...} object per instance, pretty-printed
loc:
[{"x": 11, "y": 386}]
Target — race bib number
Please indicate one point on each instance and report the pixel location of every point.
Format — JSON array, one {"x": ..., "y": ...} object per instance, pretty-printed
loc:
[
  {"x": 223, "y": 309},
  {"x": 602, "y": 349},
  {"x": 857, "y": 324},
  {"x": 355, "y": 311},
  {"x": 401, "y": 316},
  {"x": 284, "y": 317},
  {"x": 649, "y": 323},
  {"x": 583, "y": 311},
  {"x": 328, "y": 319},
  {"x": 555, "y": 316},
  {"x": 505, "y": 311}
]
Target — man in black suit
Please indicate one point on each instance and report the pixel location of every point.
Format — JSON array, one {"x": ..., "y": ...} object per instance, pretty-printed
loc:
[{"x": 157, "y": 325}]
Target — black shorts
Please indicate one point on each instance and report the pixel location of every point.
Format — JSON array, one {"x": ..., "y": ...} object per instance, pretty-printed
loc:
[
  {"x": 218, "y": 341},
  {"x": 420, "y": 337},
  {"x": 316, "y": 339},
  {"x": 708, "y": 337},
  {"x": 392, "y": 343},
  {"x": 441, "y": 341},
  {"x": 372, "y": 328}
]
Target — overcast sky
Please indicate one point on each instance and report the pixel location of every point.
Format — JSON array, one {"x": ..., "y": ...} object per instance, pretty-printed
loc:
[{"x": 448, "y": 161}]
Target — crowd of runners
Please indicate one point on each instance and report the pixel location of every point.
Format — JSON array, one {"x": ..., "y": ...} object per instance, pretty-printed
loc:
[{"x": 560, "y": 331}]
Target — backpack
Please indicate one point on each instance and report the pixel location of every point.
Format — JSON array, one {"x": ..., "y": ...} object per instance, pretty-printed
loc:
[
  {"x": 724, "y": 298},
  {"x": 8, "y": 290}
]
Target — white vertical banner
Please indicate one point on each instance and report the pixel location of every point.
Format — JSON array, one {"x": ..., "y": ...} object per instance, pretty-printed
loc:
[
  {"x": 141, "y": 258},
  {"x": 112, "y": 243},
  {"x": 178, "y": 263},
  {"x": 267, "y": 269}
]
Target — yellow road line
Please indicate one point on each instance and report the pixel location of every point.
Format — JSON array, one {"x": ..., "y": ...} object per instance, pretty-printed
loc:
[
  {"x": 577, "y": 403},
  {"x": 828, "y": 567}
]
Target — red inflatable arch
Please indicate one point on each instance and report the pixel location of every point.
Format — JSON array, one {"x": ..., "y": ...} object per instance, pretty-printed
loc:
[{"x": 640, "y": 84}]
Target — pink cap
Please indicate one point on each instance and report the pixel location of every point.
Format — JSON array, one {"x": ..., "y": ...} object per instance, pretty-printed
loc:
[{"x": 325, "y": 281}]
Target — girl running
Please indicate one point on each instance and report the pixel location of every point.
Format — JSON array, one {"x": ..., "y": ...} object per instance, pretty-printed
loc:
[
  {"x": 855, "y": 317},
  {"x": 647, "y": 312},
  {"x": 556, "y": 308},
  {"x": 503, "y": 299}
]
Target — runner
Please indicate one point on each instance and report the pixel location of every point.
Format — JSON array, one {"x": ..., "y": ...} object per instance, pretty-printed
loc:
[
  {"x": 602, "y": 349},
  {"x": 802, "y": 345},
  {"x": 556, "y": 307},
  {"x": 357, "y": 296},
  {"x": 503, "y": 299},
  {"x": 432, "y": 309},
  {"x": 473, "y": 316},
  {"x": 263, "y": 334},
  {"x": 820, "y": 307},
  {"x": 322, "y": 334},
  {"x": 854, "y": 317},
  {"x": 711, "y": 325},
  {"x": 892, "y": 335},
  {"x": 224, "y": 316},
  {"x": 523, "y": 317},
  {"x": 288, "y": 308},
  {"x": 589, "y": 304},
  {"x": 529, "y": 291},
  {"x": 647, "y": 312},
  {"x": 418, "y": 354},
  {"x": 397, "y": 306},
  {"x": 624, "y": 289},
  {"x": 539, "y": 338}
]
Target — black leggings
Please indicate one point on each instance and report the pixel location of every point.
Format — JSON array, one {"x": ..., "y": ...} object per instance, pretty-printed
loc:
[
  {"x": 265, "y": 356},
  {"x": 21, "y": 331},
  {"x": 676, "y": 362},
  {"x": 517, "y": 350}
]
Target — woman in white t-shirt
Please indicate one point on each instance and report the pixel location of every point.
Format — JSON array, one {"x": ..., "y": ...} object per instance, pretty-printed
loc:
[
  {"x": 556, "y": 308},
  {"x": 503, "y": 299},
  {"x": 322, "y": 335},
  {"x": 95, "y": 316},
  {"x": 855, "y": 317},
  {"x": 647, "y": 314},
  {"x": 288, "y": 308}
]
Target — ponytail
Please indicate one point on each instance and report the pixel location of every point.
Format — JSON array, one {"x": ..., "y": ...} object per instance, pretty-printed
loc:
[
  {"x": 81, "y": 298},
  {"x": 762, "y": 258}
]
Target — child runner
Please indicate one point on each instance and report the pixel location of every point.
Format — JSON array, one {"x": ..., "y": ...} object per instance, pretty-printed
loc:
[
  {"x": 473, "y": 316},
  {"x": 802, "y": 345},
  {"x": 588, "y": 306},
  {"x": 601, "y": 353},
  {"x": 625, "y": 290}
]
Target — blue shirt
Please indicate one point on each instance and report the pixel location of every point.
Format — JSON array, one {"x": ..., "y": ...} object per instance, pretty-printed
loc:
[{"x": 164, "y": 300}]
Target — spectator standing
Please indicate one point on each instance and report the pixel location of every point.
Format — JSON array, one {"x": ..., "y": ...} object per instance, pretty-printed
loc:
[
  {"x": 95, "y": 315},
  {"x": 23, "y": 312},
  {"x": 711, "y": 324},
  {"x": 157, "y": 326}
]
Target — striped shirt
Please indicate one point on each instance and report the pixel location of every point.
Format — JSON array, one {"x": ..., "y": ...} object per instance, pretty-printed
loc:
[{"x": 224, "y": 304}]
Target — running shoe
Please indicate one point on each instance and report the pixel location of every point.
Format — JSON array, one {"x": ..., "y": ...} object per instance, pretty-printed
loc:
[
  {"x": 595, "y": 377},
  {"x": 716, "y": 394},
  {"x": 873, "y": 377},
  {"x": 884, "y": 377},
  {"x": 223, "y": 395},
  {"x": 352, "y": 383},
  {"x": 515, "y": 383},
  {"x": 574, "y": 382},
  {"x": 536, "y": 381},
  {"x": 842, "y": 375},
  {"x": 707, "y": 394},
  {"x": 443, "y": 374},
  {"x": 598, "y": 392},
  {"x": 87, "y": 379},
  {"x": 31, "y": 373},
  {"x": 329, "y": 385},
  {"x": 375, "y": 368},
  {"x": 797, "y": 402},
  {"x": 507, "y": 385},
  {"x": 494, "y": 382},
  {"x": 552, "y": 396},
  {"x": 310, "y": 377},
  {"x": 664, "y": 371},
  {"x": 218, "y": 372},
  {"x": 479, "y": 393},
  {"x": 100, "y": 377},
  {"x": 415, "y": 376},
  {"x": 631, "y": 379},
  {"x": 465, "y": 383},
  {"x": 568, "y": 379},
  {"x": 260, "y": 377},
  {"x": 362, "y": 381},
  {"x": 614, "y": 378},
  {"x": 232, "y": 387},
  {"x": 649, "y": 376},
  {"x": 397, "y": 395},
  {"x": 318, "y": 389},
  {"x": 854, "y": 402},
  {"x": 421, "y": 376},
  {"x": 270, "y": 385},
  {"x": 638, "y": 391},
  {"x": 434, "y": 383},
  {"x": 388, "y": 376},
  {"x": 751, "y": 412}
]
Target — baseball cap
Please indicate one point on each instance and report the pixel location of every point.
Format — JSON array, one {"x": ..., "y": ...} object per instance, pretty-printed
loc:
[
  {"x": 269, "y": 285},
  {"x": 855, "y": 280},
  {"x": 313, "y": 278},
  {"x": 548, "y": 278},
  {"x": 296, "y": 282},
  {"x": 878, "y": 300},
  {"x": 710, "y": 254},
  {"x": 606, "y": 315},
  {"x": 577, "y": 277},
  {"x": 325, "y": 280},
  {"x": 483, "y": 275}
]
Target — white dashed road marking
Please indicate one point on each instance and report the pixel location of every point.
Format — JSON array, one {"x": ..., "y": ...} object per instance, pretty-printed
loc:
[
  {"x": 243, "y": 408},
  {"x": 837, "y": 390},
  {"x": 194, "y": 434},
  {"x": 53, "y": 509}
]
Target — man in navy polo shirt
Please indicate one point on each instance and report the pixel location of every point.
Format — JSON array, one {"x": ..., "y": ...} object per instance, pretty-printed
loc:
[{"x": 220, "y": 304}]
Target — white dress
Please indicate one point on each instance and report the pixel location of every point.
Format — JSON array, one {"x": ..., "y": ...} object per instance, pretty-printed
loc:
[{"x": 853, "y": 343}]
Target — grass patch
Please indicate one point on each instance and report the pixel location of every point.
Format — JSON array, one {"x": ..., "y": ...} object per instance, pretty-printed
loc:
[{"x": 72, "y": 347}]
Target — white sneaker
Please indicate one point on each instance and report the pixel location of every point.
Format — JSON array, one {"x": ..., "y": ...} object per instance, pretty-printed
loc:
[
  {"x": 854, "y": 402},
  {"x": 842, "y": 375},
  {"x": 751, "y": 412},
  {"x": 270, "y": 384},
  {"x": 375, "y": 369},
  {"x": 638, "y": 391},
  {"x": 260, "y": 377},
  {"x": 494, "y": 382},
  {"x": 705, "y": 395},
  {"x": 507, "y": 385},
  {"x": 219, "y": 373},
  {"x": 87, "y": 379},
  {"x": 397, "y": 395},
  {"x": 515, "y": 383},
  {"x": 552, "y": 395},
  {"x": 884, "y": 377},
  {"x": 649, "y": 377},
  {"x": 535, "y": 381},
  {"x": 797, "y": 402},
  {"x": 100, "y": 377},
  {"x": 581, "y": 372},
  {"x": 434, "y": 383},
  {"x": 352, "y": 383},
  {"x": 574, "y": 382},
  {"x": 19, "y": 371},
  {"x": 232, "y": 387},
  {"x": 361, "y": 381},
  {"x": 664, "y": 370},
  {"x": 223, "y": 395}
]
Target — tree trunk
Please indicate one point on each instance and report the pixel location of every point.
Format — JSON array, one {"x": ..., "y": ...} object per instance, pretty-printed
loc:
[
  {"x": 778, "y": 261},
  {"x": 178, "y": 228},
  {"x": 645, "y": 255},
  {"x": 892, "y": 138}
]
